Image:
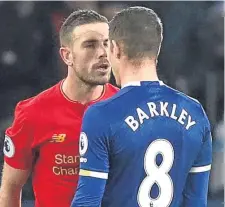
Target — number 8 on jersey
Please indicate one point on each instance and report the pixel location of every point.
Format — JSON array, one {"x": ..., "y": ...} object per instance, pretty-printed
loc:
[{"x": 157, "y": 175}]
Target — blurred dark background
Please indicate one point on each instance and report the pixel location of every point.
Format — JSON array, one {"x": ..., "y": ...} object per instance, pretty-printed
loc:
[{"x": 191, "y": 60}]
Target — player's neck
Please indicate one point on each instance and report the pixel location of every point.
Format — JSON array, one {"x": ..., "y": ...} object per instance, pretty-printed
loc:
[
  {"x": 135, "y": 73},
  {"x": 76, "y": 90}
]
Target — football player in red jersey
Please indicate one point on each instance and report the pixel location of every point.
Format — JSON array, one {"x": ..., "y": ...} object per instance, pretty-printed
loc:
[{"x": 44, "y": 137}]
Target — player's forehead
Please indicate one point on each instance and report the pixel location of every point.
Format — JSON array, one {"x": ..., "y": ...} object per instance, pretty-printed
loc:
[{"x": 93, "y": 31}]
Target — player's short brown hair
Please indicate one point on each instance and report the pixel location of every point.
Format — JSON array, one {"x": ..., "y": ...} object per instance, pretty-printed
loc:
[
  {"x": 139, "y": 29},
  {"x": 77, "y": 18}
]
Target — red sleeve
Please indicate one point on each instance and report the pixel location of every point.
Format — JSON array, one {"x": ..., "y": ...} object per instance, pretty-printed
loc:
[{"x": 18, "y": 140}]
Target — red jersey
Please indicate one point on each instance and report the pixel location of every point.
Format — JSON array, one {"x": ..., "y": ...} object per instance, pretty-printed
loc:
[{"x": 45, "y": 136}]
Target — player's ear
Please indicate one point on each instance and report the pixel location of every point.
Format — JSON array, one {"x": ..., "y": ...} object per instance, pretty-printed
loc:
[
  {"x": 66, "y": 55},
  {"x": 116, "y": 50}
]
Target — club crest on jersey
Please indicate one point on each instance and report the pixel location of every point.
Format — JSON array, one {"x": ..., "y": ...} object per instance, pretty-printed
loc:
[
  {"x": 9, "y": 148},
  {"x": 83, "y": 144}
]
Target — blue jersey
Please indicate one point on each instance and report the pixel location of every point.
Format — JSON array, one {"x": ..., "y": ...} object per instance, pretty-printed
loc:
[{"x": 148, "y": 146}]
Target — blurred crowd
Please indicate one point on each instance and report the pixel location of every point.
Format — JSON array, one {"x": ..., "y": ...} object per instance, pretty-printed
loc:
[{"x": 191, "y": 59}]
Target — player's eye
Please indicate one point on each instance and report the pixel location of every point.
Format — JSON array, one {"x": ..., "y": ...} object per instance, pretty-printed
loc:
[
  {"x": 91, "y": 45},
  {"x": 106, "y": 44}
]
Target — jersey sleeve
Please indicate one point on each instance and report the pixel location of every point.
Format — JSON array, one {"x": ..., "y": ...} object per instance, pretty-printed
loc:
[
  {"x": 94, "y": 159},
  {"x": 204, "y": 158},
  {"x": 196, "y": 189},
  {"x": 18, "y": 140}
]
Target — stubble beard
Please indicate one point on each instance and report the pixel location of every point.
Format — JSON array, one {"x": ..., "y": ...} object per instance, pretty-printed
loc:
[{"x": 89, "y": 80}]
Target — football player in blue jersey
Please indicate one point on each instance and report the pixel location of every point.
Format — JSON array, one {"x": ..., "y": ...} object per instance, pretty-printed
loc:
[{"x": 149, "y": 145}]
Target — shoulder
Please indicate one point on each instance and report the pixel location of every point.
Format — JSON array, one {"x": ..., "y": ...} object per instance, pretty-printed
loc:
[
  {"x": 31, "y": 107},
  {"x": 189, "y": 102},
  {"x": 102, "y": 113},
  {"x": 96, "y": 116},
  {"x": 182, "y": 97}
]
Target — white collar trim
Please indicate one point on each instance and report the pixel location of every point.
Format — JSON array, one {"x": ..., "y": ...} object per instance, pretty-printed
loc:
[{"x": 138, "y": 83}]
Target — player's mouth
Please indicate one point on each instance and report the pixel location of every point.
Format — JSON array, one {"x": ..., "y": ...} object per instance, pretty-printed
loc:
[{"x": 103, "y": 67}]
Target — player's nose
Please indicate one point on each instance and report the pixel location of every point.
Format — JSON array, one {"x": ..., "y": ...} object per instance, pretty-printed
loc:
[{"x": 102, "y": 52}]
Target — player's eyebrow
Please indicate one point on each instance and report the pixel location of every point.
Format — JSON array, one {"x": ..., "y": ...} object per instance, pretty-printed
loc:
[
  {"x": 94, "y": 41},
  {"x": 90, "y": 41}
]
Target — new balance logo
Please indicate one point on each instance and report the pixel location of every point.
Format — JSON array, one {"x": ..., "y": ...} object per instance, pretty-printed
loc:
[{"x": 58, "y": 138}]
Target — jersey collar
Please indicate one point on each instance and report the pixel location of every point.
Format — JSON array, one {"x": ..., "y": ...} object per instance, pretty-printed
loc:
[{"x": 139, "y": 83}]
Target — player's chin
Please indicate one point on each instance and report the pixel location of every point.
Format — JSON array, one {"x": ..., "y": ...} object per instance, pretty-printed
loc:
[
  {"x": 102, "y": 81},
  {"x": 102, "y": 78}
]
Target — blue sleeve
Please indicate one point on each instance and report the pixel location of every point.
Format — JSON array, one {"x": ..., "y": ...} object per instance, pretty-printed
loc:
[
  {"x": 94, "y": 162},
  {"x": 204, "y": 158},
  {"x": 196, "y": 189}
]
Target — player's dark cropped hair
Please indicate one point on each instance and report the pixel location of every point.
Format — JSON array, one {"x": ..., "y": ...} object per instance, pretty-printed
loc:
[
  {"x": 78, "y": 18},
  {"x": 139, "y": 29}
]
